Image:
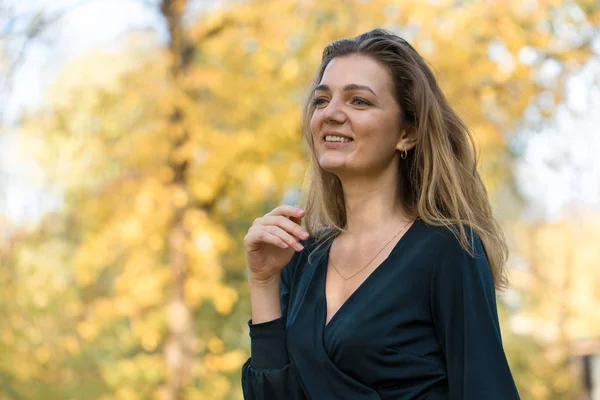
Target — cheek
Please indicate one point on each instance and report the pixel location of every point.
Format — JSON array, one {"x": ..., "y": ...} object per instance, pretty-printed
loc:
[
  {"x": 315, "y": 123},
  {"x": 368, "y": 126},
  {"x": 379, "y": 131}
]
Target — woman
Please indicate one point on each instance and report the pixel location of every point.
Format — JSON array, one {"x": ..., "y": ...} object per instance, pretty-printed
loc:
[{"x": 390, "y": 291}]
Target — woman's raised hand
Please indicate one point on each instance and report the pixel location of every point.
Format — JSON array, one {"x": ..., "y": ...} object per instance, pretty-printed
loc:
[{"x": 271, "y": 242}]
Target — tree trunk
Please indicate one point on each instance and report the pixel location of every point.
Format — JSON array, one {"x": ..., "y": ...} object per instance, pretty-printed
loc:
[{"x": 179, "y": 348}]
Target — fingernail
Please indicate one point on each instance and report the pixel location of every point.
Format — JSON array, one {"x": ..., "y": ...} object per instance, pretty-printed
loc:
[{"x": 304, "y": 234}]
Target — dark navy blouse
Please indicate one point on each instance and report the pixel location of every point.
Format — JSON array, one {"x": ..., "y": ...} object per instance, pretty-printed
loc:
[{"x": 423, "y": 325}]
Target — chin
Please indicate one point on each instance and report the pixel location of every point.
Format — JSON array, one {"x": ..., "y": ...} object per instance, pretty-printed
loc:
[
  {"x": 331, "y": 165},
  {"x": 338, "y": 169}
]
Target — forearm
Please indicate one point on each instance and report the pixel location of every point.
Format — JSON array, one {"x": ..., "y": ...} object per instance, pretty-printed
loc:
[{"x": 264, "y": 299}]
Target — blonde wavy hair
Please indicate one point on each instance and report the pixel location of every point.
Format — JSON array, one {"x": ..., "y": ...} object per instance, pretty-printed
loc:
[{"x": 438, "y": 181}]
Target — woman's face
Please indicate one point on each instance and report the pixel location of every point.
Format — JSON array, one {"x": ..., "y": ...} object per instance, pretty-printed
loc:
[{"x": 354, "y": 103}]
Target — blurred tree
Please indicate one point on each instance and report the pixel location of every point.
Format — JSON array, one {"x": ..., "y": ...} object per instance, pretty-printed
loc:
[
  {"x": 20, "y": 27},
  {"x": 164, "y": 156},
  {"x": 558, "y": 284},
  {"x": 179, "y": 347},
  {"x": 41, "y": 354}
]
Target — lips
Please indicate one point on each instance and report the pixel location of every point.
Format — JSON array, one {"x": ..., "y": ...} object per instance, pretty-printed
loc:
[{"x": 336, "y": 134}]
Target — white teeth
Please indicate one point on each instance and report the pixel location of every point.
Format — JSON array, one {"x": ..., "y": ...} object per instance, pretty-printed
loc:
[{"x": 337, "y": 139}]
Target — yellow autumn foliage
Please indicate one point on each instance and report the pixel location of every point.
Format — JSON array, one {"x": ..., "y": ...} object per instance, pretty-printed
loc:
[{"x": 91, "y": 296}]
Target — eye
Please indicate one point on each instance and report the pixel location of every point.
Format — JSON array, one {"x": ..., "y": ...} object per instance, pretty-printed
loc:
[
  {"x": 360, "y": 101},
  {"x": 319, "y": 101}
]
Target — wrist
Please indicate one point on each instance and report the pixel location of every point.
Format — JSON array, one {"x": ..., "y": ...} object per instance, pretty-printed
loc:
[
  {"x": 264, "y": 299},
  {"x": 264, "y": 283}
]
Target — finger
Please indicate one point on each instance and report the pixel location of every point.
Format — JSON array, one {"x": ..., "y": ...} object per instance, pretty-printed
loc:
[
  {"x": 288, "y": 225},
  {"x": 264, "y": 236},
  {"x": 285, "y": 236},
  {"x": 286, "y": 211},
  {"x": 298, "y": 220}
]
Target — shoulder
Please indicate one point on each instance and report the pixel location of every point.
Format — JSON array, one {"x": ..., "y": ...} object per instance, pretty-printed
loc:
[
  {"x": 443, "y": 240},
  {"x": 448, "y": 257},
  {"x": 455, "y": 264}
]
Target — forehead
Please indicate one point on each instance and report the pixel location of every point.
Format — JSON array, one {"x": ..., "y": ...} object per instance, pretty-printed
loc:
[{"x": 357, "y": 69}]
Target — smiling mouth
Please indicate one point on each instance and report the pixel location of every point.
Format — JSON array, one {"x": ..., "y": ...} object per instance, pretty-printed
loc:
[{"x": 336, "y": 139}]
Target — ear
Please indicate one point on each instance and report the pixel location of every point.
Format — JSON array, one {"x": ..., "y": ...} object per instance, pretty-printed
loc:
[{"x": 407, "y": 139}]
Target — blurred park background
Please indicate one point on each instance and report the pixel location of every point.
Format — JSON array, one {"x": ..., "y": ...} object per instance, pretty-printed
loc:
[{"x": 139, "y": 139}]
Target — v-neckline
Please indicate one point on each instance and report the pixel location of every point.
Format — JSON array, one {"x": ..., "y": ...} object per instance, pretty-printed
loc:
[{"x": 324, "y": 264}]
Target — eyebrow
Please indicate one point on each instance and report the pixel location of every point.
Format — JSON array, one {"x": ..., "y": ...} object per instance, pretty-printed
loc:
[{"x": 347, "y": 88}]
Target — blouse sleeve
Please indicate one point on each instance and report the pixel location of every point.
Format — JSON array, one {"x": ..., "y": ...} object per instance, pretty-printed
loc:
[
  {"x": 268, "y": 373},
  {"x": 465, "y": 317}
]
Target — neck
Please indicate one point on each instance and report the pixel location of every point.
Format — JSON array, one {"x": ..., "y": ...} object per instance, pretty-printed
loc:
[{"x": 372, "y": 203}]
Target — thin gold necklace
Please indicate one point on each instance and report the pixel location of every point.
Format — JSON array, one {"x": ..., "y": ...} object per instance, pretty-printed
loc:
[{"x": 370, "y": 261}]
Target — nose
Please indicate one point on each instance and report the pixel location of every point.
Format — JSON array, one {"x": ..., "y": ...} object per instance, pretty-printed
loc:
[{"x": 334, "y": 112}]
